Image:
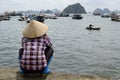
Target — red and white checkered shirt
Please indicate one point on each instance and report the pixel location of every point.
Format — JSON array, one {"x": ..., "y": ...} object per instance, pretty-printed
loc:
[{"x": 33, "y": 57}]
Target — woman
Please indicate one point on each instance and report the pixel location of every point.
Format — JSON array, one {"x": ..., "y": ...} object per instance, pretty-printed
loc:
[
  {"x": 90, "y": 26},
  {"x": 34, "y": 44}
]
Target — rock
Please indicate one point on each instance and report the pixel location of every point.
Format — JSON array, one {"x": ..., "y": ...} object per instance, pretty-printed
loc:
[
  {"x": 97, "y": 11},
  {"x": 13, "y": 74},
  {"x": 106, "y": 10},
  {"x": 75, "y": 8}
]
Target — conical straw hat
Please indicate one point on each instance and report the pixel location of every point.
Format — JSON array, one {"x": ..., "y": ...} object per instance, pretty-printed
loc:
[{"x": 34, "y": 29}]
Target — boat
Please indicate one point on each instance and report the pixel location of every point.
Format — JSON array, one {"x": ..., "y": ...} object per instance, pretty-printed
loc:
[
  {"x": 77, "y": 16},
  {"x": 52, "y": 17},
  {"x": 21, "y": 18},
  {"x": 118, "y": 20},
  {"x": 115, "y": 17},
  {"x": 105, "y": 15},
  {"x": 88, "y": 28},
  {"x": 40, "y": 18}
]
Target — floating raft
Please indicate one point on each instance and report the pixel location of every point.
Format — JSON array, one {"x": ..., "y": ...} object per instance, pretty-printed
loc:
[{"x": 13, "y": 74}]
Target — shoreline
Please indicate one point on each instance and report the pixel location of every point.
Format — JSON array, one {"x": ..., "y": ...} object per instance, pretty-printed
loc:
[{"x": 11, "y": 73}]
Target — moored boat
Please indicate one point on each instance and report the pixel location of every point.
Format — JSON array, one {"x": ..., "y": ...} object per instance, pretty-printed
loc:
[
  {"x": 40, "y": 18},
  {"x": 53, "y": 17},
  {"x": 77, "y": 16},
  {"x": 105, "y": 15},
  {"x": 22, "y": 18},
  {"x": 115, "y": 16}
]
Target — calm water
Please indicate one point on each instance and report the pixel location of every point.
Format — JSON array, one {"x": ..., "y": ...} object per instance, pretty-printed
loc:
[{"x": 77, "y": 50}]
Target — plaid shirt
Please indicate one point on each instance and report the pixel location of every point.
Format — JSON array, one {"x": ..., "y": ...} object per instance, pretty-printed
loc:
[{"x": 33, "y": 57}]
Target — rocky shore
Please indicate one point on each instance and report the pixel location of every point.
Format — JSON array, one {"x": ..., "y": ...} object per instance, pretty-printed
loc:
[{"x": 13, "y": 74}]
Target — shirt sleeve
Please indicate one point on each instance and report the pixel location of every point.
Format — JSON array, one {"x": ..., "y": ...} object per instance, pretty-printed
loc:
[
  {"x": 22, "y": 41},
  {"x": 47, "y": 40}
]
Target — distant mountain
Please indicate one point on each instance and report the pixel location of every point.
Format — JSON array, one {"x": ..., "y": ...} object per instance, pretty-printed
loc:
[
  {"x": 48, "y": 11},
  {"x": 56, "y": 11},
  {"x": 75, "y": 8},
  {"x": 97, "y": 11},
  {"x": 106, "y": 10}
]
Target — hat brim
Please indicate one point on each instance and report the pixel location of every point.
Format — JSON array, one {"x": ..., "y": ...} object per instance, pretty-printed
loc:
[{"x": 35, "y": 29}]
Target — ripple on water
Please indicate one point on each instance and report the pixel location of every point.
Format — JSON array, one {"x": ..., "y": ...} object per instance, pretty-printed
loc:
[{"x": 77, "y": 50}]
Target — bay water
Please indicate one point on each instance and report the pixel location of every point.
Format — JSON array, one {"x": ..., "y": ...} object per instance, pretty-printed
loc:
[{"x": 77, "y": 50}]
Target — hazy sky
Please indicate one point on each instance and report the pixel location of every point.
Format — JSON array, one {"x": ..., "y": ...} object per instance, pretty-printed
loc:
[{"x": 89, "y": 5}]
